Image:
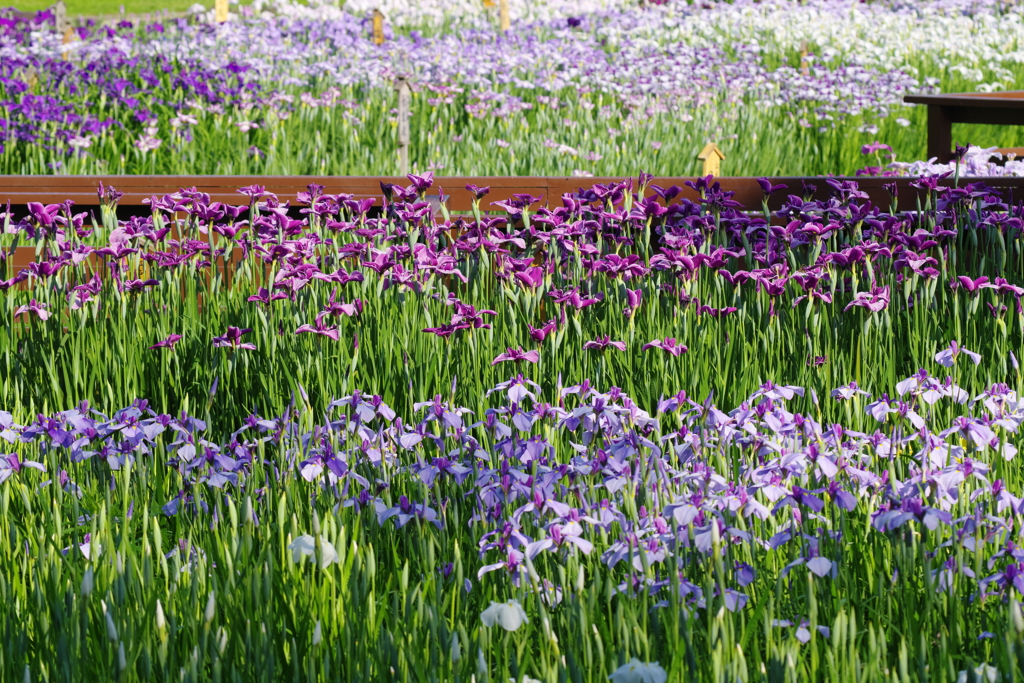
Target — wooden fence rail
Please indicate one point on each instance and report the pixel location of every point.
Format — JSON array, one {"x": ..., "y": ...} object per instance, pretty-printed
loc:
[{"x": 19, "y": 190}]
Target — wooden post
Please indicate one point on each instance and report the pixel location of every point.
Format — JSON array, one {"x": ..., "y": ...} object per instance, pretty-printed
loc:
[
  {"x": 804, "y": 69},
  {"x": 711, "y": 160},
  {"x": 221, "y": 11},
  {"x": 940, "y": 134},
  {"x": 506, "y": 23},
  {"x": 404, "y": 101},
  {"x": 60, "y": 17},
  {"x": 378, "y": 27}
]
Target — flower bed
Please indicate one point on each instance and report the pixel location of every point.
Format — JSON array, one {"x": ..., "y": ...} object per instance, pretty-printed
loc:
[
  {"x": 601, "y": 439},
  {"x": 295, "y": 90}
]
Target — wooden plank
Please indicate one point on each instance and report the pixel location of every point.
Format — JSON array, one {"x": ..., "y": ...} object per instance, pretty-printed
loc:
[
  {"x": 1010, "y": 99},
  {"x": 20, "y": 190}
]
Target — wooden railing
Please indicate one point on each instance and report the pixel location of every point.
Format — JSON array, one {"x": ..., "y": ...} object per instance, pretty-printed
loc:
[{"x": 19, "y": 190}]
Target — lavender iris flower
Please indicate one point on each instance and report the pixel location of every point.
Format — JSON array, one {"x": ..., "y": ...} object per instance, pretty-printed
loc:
[
  {"x": 13, "y": 464},
  {"x": 947, "y": 357}
]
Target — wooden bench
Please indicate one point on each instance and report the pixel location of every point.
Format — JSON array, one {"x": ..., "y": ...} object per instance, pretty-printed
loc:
[{"x": 997, "y": 108}]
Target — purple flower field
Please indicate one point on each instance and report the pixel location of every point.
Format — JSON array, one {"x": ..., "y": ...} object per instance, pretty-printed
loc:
[
  {"x": 614, "y": 435},
  {"x": 782, "y": 437},
  {"x": 600, "y": 89}
]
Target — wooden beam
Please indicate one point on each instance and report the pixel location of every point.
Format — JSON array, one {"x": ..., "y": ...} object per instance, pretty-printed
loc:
[{"x": 19, "y": 190}]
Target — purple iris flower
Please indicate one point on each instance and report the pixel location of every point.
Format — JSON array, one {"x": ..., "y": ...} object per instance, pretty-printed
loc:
[
  {"x": 668, "y": 345},
  {"x": 13, "y": 464},
  {"x": 44, "y": 269},
  {"x": 517, "y": 355},
  {"x": 167, "y": 343},
  {"x": 531, "y": 277},
  {"x": 716, "y": 312},
  {"x": 876, "y": 300},
  {"x": 875, "y": 147},
  {"x": 443, "y": 330},
  {"x": 380, "y": 263},
  {"x": 478, "y": 192},
  {"x": 340, "y": 276},
  {"x": 614, "y": 265},
  {"x": 848, "y": 391},
  {"x": 602, "y": 343},
  {"x": 34, "y": 307},
  {"x": 970, "y": 285},
  {"x": 947, "y": 357},
  {"x": 7, "y": 284},
  {"x": 735, "y": 279},
  {"x": 803, "y": 634},
  {"x": 320, "y": 328},
  {"x": 768, "y": 188},
  {"x": 633, "y": 299},
  {"x": 338, "y": 308},
  {"x": 538, "y": 334},
  {"x": 263, "y": 296},
  {"x": 233, "y": 339},
  {"x": 1004, "y": 287},
  {"x": 574, "y": 299},
  {"x": 136, "y": 286},
  {"x": 421, "y": 183}
]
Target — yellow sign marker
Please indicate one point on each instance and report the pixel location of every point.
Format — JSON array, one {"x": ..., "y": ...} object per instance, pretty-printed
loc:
[
  {"x": 711, "y": 160},
  {"x": 378, "y": 27},
  {"x": 69, "y": 36},
  {"x": 221, "y": 11}
]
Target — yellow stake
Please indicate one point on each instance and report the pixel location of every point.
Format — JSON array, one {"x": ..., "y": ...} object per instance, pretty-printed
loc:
[
  {"x": 506, "y": 23},
  {"x": 378, "y": 27},
  {"x": 69, "y": 35},
  {"x": 221, "y": 11}
]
